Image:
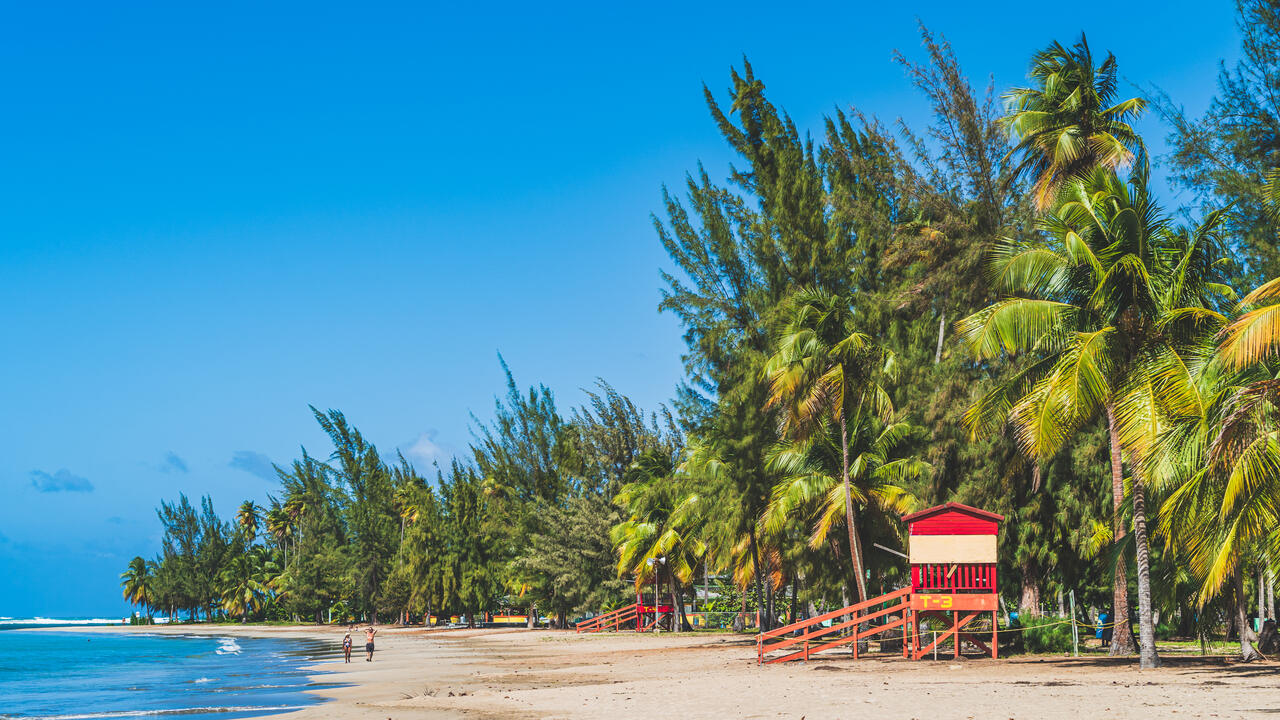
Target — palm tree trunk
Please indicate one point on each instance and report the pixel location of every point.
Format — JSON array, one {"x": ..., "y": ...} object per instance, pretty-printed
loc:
[
  {"x": 1262, "y": 596},
  {"x": 851, "y": 520},
  {"x": 768, "y": 593},
  {"x": 1122, "y": 637},
  {"x": 679, "y": 622},
  {"x": 1271, "y": 596},
  {"x": 1148, "y": 658},
  {"x": 942, "y": 329},
  {"x": 1030, "y": 603},
  {"x": 755, "y": 559},
  {"x": 795, "y": 607},
  {"x": 1248, "y": 653}
]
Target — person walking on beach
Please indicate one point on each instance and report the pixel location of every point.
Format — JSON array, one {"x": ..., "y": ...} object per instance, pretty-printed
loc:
[
  {"x": 346, "y": 647},
  {"x": 368, "y": 642}
]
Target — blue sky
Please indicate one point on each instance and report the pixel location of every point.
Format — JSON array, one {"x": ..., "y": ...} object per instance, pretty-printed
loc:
[{"x": 210, "y": 218}]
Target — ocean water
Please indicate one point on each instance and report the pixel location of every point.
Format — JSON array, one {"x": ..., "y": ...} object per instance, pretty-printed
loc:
[{"x": 67, "y": 675}]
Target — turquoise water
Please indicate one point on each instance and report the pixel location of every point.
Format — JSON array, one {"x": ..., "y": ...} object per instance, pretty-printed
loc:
[{"x": 86, "y": 676}]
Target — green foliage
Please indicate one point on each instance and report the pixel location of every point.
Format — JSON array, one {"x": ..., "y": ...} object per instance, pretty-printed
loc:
[
  {"x": 837, "y": 459},
  {"x": 519, "y": 454},
  {"x": 1047, "y": 634},
  {"x": 727, "y": 597},
  {"x": 138, "y": 583},
  {"x": 395, "y": 598},
  {"x": 1069, "y": 123},
  {"x": 242, "y": 582},
  {"x": 566, "y": 566},
  {"x": 371, "y": 519},
  {"x": 193, "y": 549}
]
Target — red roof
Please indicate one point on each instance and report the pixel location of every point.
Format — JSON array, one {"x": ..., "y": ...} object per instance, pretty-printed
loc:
[{"x": 951, "y": 507}]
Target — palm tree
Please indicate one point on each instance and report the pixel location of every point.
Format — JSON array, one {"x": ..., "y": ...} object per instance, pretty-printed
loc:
[
  {"x": 825, "y": 370},
  {"x": 659, "y": 532},
  {"x": 243, "y": 585},
  {"x": 409, "y": 488},
  {"x": 1227, "y": 456},
  {"x": 248, "y": 518},
  {"x": 1070, "y": 123},
  {"x": 408, "y": 508},
  {"x": 137, "y": 583},
  {"x": 1254, "y": 336},
  {"x": 726, "y": 520},
  {"x": 1104, "y": 302},
  {"x": 281, "y": 526},
  {"x": 1225, "y": 511},
  {"x": 813, "y": 483}
]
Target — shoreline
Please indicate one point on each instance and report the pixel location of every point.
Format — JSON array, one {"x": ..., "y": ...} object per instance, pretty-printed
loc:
[
  {"x": 518, "y": 674},
  {"x": 348, "y": 690}
]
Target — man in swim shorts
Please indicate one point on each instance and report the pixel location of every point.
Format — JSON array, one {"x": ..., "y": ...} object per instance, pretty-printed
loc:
[{"x": 368, "y": 643}]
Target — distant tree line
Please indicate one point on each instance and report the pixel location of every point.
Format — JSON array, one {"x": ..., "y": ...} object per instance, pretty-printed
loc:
[{"x": 524, "y": 525}]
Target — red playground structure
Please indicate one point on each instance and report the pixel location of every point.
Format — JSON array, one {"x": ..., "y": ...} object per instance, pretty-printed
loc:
[{"x": 952, "y": 551}]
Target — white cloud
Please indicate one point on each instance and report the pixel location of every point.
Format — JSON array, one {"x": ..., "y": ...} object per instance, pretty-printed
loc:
[{"x": 425, "y": 450}]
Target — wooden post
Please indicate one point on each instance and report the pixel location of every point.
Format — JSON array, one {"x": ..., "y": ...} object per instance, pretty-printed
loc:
[
  {"x": 995, "y": 640},
  {"x": 1075, "y": 634},
  {"x": 856, "y": 613},
  {"x": 906, "y": 624},
  {"x": 915, "y": 635},
  {"x": 955, "y": 628}
]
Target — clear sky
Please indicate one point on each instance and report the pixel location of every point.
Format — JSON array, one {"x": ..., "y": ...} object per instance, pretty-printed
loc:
[{"x": 210, "y": 218}]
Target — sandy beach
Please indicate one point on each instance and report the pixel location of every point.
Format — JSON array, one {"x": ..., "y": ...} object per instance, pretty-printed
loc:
[{"x": 517, "y": 674}]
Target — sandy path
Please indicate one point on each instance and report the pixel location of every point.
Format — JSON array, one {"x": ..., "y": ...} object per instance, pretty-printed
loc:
[{"x": 520, "y": 675}]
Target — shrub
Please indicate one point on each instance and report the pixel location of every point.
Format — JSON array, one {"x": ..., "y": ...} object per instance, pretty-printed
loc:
[{"x": 1047, "y": 634}]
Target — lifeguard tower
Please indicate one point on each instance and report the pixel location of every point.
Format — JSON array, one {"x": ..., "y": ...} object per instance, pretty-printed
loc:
[
  {"x": 644, "y": 615},
  {"x": 952, "y": 552}
]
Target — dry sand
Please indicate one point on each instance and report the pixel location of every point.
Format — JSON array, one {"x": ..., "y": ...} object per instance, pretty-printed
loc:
[{"x": 519, "y": 674}]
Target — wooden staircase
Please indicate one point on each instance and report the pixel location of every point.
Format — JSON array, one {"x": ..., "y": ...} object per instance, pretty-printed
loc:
[
  {"x": 806, "y": 637},
  {"x": 615, "y": 620}
]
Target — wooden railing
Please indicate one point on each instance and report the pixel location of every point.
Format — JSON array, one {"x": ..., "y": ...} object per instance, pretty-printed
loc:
[
  {"x": 611, "y": 620},
  {"x": 811, "y": 636},
  {"x": 945, "y": 577}
]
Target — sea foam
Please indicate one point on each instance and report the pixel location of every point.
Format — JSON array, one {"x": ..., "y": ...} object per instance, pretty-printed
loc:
[
  {"x": 228, "y": 646},
  {"x": 155, "y": 713},
  {"x": 60, "y": 621}
]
